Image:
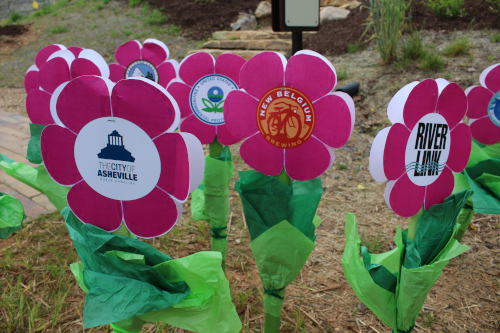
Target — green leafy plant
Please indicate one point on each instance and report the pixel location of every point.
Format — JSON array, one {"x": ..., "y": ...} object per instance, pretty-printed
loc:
[
  {"x": 413, "y": 49},
  {"x": 353, "y": 48},
  {"x": 446, "y": 8},
  {"x": 57, "y": 30},
  {"x": 342, "y": 73},
  {"x": 387, "y": 21},
  {"x": 432, "y": 62},
  {"x": 156, "y": 18},
  {"x": 15, "y": 17},
  {"x": 457, "y": 47},
  {"x": 495, "y": 38},
  {"x": 133, "y": 3}
]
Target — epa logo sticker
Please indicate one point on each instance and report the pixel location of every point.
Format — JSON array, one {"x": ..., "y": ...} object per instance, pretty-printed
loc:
[
  {"x": 494, "y": 109},
  {"x": 142, "y": 68},
  {"x": 207, "y": 98}
]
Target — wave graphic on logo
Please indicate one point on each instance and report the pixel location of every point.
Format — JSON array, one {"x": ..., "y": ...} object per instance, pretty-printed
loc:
[{"x": 424, "y": 168}]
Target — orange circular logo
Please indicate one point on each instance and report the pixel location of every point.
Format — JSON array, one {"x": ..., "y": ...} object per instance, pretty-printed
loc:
[{"x": 285, "y": 117}]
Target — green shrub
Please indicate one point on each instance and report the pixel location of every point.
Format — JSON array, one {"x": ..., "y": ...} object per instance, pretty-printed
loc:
[
  {"x": 15, "y": 17},
  {"x": 457, "y": 47},
  {"x": 495, "y": 38},
  {"x": 387, "y": 21},
  {"x": 57, "y": 30},
  {"x": 133, "y": 3},
  {"x": 432, "y": 62},
  {"x": 413, "y": 49},
  {"x": 342, "y": 73},
  {"x": 446, "y": 8},
  {"x": 156, "y": 18}
]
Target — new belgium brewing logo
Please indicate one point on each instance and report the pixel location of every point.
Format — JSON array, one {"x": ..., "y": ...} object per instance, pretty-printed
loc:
[
  {"x": 285, "y": 117},
  {"x": 142, "y": 68}
]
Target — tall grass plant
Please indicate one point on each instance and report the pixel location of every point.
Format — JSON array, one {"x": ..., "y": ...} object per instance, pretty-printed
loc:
[{"x": 387, "y": 20}]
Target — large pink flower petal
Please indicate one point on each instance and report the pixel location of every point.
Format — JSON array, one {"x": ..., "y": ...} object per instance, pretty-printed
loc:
[
  {"x": 81, "y": 66},
  {"x": 38, "y": 107},
  {"x": 240, "y": 114},
  {"x": 452, "y": 104},
  {"x": 492, "y": 79},
  {"x": 75, "y": 50},
  {"x": 45, "y": 53},
  {"x": 83, "y": 100},
  {"x": 58, "y": 145},
  {"x": 308, "y": 161},
  {"x": 116, "y": 72},
  {"x": 53, "y": 73},
  {"x": 406, "y": 198},
  {"x": 478, "y": 99},
  {"x": 204, "y": 132},
  {"x": 460, "y": 147},
  {"x": 440, "y": 189},
  {"x": 421, "y": 101},
  {"x": 310, "y": 74},
  {"x": 174, "y": 177},
  {"x": 484, "y": 131},
  {"x": 262, "y": 156},
  {"x": 262, "y": 72},
  {"x": 224, "y": 136},
  {"x": 31, "y": 79},
  {"x": 333, "y": 121},
  {"x": 150, "y": 109},
  {"x": 180, "y": 92},
  {"x": 166, "y": 73},
  {"x": 229, "y": 65},
  {"x": 128, "y": 52},
  {"x": 155, "y": 53},
  {"x": 150, "y": 216},
  {"x": 196, "y": 66},
  {"x": 394, "y": 152},
  {"x": 94, "y": 208}
]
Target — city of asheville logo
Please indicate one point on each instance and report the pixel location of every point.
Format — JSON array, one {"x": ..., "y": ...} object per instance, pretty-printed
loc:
[
  {"x": 142, "y": 68},
  {"x": 427, "y": 149},
  {"x": 115, "y": 150},
  {"x": 285, "y": 117},
  {"x": 207, "y": 98}
]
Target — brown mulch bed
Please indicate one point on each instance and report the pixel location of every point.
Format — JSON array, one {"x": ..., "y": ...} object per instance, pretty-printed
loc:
[{"x": 12, "y": 30}]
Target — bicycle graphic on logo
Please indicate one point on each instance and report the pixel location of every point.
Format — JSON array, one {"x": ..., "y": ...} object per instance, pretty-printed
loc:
[{"x": 284, "y": 122}]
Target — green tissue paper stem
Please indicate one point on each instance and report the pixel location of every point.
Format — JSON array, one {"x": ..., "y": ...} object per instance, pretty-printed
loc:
[
  {"x": 283, "y": 176},
  {"x": 271, "y": 323},
  {"x": 34, "y": 153},
  {"x": 11, "y": 215},
  {"x": 412, "y": 227}
]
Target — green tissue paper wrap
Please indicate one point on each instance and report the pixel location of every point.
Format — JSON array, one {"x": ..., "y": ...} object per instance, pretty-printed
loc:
[
  {"x": 412, "y": 267},
  {"x": 11, "y": 215},
  {"x": 280, "y": 221},
  {"x": 129, "y": 283},
  {"x": 37, "y": 178},
  {"x": 34, "y": 152}
]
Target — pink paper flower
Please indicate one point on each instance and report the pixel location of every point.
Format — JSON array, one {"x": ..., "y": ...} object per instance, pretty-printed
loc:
[
  {"x": 117, "y": 149},
  {"x": 148, "y": 60},
  {"x": 201, "y": 90},
  {"x": 426, "y": 142},
  {"x": 288, "y": 114},
  {"x": 484, "y": 106},
  {"x": 55, "y": 65}
]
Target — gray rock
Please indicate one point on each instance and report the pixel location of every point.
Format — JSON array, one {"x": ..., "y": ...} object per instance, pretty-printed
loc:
[
  {"x": 245, "y": 22},
  {"x": 263, "y": 9},
  {"x": 332, "y": 13}
]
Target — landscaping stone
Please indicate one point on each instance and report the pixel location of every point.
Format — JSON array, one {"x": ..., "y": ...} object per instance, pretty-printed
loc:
[
  {"x": 263, "y": 10},
  {"x": 245, "y": 22},
  {"x": 332, "y": 13}
]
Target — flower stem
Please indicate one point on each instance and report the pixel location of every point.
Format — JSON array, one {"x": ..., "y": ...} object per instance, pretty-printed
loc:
[
  {"x": 412, "y": 228},
  {"x": 284, "y": 177},
  {"x": 215, "y": 148}
]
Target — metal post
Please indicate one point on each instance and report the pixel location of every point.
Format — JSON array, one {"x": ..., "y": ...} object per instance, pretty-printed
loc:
[{"x": 296, "y": 41}]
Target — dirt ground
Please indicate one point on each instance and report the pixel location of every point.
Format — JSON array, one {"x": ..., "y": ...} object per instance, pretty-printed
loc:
[{"x": 465, "y": 299}]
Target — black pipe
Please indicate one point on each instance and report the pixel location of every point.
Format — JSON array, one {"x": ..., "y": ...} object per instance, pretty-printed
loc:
[
  {"x": 296, "y": 41},
  {"x": 351, "y": 88}
]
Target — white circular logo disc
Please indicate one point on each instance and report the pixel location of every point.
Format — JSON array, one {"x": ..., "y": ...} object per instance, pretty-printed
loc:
[
  {"x": 427, "y": 149},
  {"x": 142, "y": 68},
  {"x": 117, "y": 158},
  {"x": 207, "y": 98},
  {"x": 494, "y": 109}
]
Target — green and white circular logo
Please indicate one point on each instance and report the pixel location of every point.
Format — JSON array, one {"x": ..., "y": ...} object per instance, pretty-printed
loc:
[
  {"x": 142, "y": 68},
  {"x": 207, "y": 98}
]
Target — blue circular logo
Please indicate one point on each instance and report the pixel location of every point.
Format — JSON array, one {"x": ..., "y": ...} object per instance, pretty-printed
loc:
[
  {"x": 142, "y": 68},
  {"x": 494, "y": 109},
  {"x": 207, "y": 98},
  {"x": 215, "y": 94}
]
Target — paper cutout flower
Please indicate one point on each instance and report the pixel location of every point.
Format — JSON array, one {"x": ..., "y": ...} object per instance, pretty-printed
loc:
[
  {"x": 148, "y": 60},
  {"x": 426, "y": 142},
  {"x": 201, "y": 90},
  {"x": 55, "y": 65},
  {"x": 117, "y": 149},
  {"x": 288, "y": 114},
  {"x": 484, "y": 106}
]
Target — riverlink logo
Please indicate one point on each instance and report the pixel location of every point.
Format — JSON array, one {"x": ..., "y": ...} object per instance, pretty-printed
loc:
[
  {"x": 427, "y": 149},
  {"x": 285, "y": 117},
  {"x": 494, "y": 109},
  {"x": 207, "y": 98},
  {"x": 117, "y": 159},
  {"x": 142, "y": 68}
]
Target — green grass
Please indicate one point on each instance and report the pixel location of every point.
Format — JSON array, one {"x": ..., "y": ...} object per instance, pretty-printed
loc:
[
  {"x": 412, "y": 48},
  {"x": 342, "y": 73},
  {"x": 341, "y": 167},
  {"x": 156, "y": 18},
  {"x": 57, "y": 30},
  {"x": 133, "y": 3},
  {"x": 374, "y": 243},
  {"x": 353, "y": 48},
  {"x": 457, "y": 47},
  {"x": 495, "y": 38},
  {"x": 432, "y": 62},
  {"x": 49, "y": 9},
  {"x": 15, "y": 17},
  {"x": 446, "y": 8}
]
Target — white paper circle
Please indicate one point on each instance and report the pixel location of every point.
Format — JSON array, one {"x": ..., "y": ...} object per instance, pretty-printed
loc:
[
  {"x": 494, "y": 109},
  {"x": 427, "y": 149},
  {"x": 117, "y": 158},
  {"x": 207, "y": 98}
]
